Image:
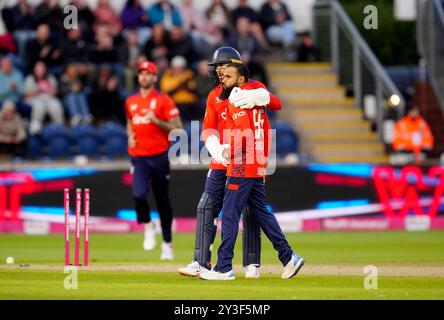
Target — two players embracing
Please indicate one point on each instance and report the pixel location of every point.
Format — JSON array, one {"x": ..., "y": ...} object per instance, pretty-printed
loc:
[{"x": 235, "y": 181}]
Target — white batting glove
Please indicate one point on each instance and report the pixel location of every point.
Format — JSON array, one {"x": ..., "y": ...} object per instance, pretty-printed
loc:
[
  {"x": 216, "y": 149},
  {"x": 247, "y": 99}
]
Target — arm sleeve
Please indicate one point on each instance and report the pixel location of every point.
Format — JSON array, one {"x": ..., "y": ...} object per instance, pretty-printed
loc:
[
  {"x": 209, "y": 125},
  {"x": 29, "y": 84},
  {"x": 275, "y": 103},
  {"x": 20, "y": 84},
  {"x": 128, "y": 115},
  {"x": 397, "y": 144},
  {"x": 170, "y": 110},
  {"x": 21, "y": 134},
  {"x": 428, "y": 137}
]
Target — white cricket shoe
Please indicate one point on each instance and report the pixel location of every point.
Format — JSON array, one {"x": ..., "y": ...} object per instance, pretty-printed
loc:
[
  {"x": 215, "y": 275},
  {"x": 252, "y": 271},
  {"x": 167, "y": 251},
  {"x": 149, "y": 242},
  {"x": 293, "y": 266},
  {"x": 194, "y": 269}
]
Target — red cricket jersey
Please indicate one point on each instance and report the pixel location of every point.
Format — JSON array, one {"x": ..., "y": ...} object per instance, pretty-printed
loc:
[
  {"x": 150, "y": 138},
  {"x": 249, "y": 141},
  {"x": 215, "y": 115}
]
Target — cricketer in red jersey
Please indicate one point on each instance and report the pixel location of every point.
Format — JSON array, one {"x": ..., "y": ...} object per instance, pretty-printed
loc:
[
  {"x": 150, "y": 116},
  {"x": 215, "y": 115},
  {"x": 210, "y": 203},
  {"x": 245, "y": 183}
]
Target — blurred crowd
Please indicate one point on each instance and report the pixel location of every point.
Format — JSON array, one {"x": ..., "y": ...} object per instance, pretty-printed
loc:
[{"x": 50, "y": 74}]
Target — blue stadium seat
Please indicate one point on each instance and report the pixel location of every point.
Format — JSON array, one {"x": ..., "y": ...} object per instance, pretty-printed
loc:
[
  {"x": 286, "y": 139},
  {"x": 35, "y": 146},
  {"x": 113, "y": 136},
  {"x": 58, "y": 139},
  {"x": 286, "y": 144},
  {"x": 282, "y": 127},
  {"x": 86, "y": 139}
]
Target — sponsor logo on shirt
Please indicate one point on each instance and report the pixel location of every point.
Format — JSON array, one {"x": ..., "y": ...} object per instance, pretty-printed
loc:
[
  {"x": 239, "y": 114},
  {"x": 140, "y": 120}
]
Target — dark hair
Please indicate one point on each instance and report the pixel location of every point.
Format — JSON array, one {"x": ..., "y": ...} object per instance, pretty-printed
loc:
[
  {"x": 242, "y": 70},
  {"x": 131, "y": 3}
]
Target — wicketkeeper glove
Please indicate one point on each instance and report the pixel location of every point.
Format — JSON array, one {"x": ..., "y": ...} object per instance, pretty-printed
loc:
[
  {"x": 247, "y": 99},
  {"x": 216, "y": 149}
]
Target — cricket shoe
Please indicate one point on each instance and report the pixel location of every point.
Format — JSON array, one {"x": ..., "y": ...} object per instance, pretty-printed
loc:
[
  {"x": 149, "y": 242},
  {"x": 215, "y": 275},
  {"x": 167, "y": 251},
  {"x": 252, "y": 271},
  {"x": 194, "y": 269},
  {"x": 293, "y": 266}
]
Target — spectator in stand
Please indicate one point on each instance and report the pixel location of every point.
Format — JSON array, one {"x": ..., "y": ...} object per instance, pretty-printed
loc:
[
  {"x": 180, "y": 44},
  {"x": 218, "y": 14},
  {"x": 243, "y": 10},
  {"x": 105, "y": 101},
  {"x": 307, "y": 51},
  {"x": 204, "y": 85},
  {"x": 105, "y": 15},
  {"x": 49, "y": 12},
  {"x": 193, "y": 18},
  {"x": 74, "y": 47},
  {"x": 206, "y": 36},
  {"x": 74, "y": 97},
  {"x": 12, "y": 131},
  {"x": 165, "y": 13},
  {"x": 75, "y": 51},
  {"x": 134, "y": 17},
  {"x": 412, "y": 135},
  {"x": 278, "y": 25},
  {"x": 41, "y": 94},
  {"x": 22, "y": 25},
  {"x": 179, "y": 83},
  {"x": 103, "y": 51},
  {"x": 42, "y": 48},
  {"x": 129, "y": 54},
  {"x": 210, "y": 40},
  {"x": 85, "y": 19},
  {"x": 156, "y": 48},
  {"x": 11, "y": 86},
  {"x": 11, "y": 81},
  {"x": 247, "y": 45},
  {"x": 7, "y": 44}
]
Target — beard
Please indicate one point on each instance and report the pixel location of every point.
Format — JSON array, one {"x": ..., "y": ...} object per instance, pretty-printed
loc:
[
  {"x": 225, "y": 93},
  {"x": 145, "y": 85}
]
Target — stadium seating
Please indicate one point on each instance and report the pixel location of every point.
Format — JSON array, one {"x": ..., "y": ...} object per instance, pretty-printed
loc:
[
  {"x": 35, "y": 146},
  {"x": 86, "y": 140},
  {"x": 113, "y": 136},
  {"x": 58, "y": 140},
  {"x": 287, "y": 141}
]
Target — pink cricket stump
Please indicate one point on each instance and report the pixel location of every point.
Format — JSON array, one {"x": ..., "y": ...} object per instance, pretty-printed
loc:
[
  {"x": 66, "y": 206},
  {"x": 86, "y": 228},
  {"x": 77, "y": 229}
]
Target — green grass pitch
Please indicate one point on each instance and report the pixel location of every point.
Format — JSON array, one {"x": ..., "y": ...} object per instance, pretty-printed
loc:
[{"x": 410, "y": 266}]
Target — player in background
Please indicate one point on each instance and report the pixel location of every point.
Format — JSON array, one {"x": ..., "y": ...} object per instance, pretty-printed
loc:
[
  {"x": 151, "y": 115},
  {"x": 210, "y": 202},
  {"x": 249, "y": 131}
]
